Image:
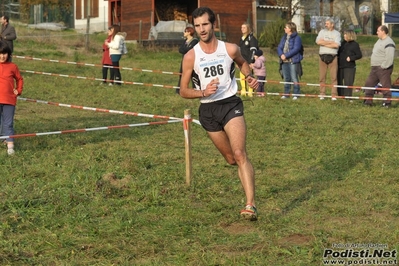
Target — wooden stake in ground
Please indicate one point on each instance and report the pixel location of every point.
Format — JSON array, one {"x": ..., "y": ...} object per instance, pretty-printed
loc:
[{"x": 187, "y": 140}]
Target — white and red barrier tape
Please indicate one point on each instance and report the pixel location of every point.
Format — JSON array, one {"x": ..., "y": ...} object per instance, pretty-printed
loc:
[
  {"x": 329, "y": 96},
  {"x": 88, "y": 129},
  {"x": 177, "y": 73},
  {"x": 98, "y": 79},
  {"x": 175, "y": 87},
  {"x": 94, "y": 65},
  {"x": 103, "y": 110},
  {"x": 329, "y": 85}
]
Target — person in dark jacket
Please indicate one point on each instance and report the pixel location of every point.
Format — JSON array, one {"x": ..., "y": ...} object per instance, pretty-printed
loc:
[
  {"x": 248, "y": 46},
  {"x": 7, "y": 34},
  {"x": 289, "y": 51},
  {"x": 348, "y": 53},
  {"x": 188, "y": 44}
]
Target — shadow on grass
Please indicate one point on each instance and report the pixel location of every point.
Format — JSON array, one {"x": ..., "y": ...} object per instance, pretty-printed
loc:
[{"x": 326, "y": 174}]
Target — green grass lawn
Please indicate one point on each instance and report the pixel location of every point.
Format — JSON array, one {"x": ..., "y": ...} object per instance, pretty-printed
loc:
[{"x": 326, "y": 172}]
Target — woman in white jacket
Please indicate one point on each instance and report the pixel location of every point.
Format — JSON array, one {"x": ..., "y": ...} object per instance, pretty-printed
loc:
[{"x": 115, "y": 52}]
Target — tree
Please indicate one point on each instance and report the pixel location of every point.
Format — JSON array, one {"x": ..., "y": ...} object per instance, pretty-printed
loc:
[
  {"x": 62, "y": 5},
  {"x": 394, "y": 6},
  {"x": 292, "y": 5}
]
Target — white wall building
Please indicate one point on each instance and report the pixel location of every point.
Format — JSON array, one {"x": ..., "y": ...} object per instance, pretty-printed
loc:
[
  {"x": 384, "y": 8},
  {"x": 298, "y": 18},
  {"x": 98, "y": 12}
]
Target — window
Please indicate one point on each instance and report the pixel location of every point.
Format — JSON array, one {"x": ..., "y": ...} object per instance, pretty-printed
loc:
[{"x": 86, "y": 8}]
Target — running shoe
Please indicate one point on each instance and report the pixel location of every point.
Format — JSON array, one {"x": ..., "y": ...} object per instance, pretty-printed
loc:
[{"x": 249, "y": 213}]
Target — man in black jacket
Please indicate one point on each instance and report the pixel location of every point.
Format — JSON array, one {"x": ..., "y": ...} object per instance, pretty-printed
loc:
[{"x": 7, "y": 33}]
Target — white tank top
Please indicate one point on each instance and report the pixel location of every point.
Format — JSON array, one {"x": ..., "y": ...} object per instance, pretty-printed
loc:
[{"x": 216, "y": 65}]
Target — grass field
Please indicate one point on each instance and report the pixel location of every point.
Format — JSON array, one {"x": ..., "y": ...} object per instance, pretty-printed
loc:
[{"x": 326, "y": 172}]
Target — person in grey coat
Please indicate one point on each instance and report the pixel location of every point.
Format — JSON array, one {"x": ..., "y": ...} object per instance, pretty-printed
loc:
[{"x": 7, "y": 33}]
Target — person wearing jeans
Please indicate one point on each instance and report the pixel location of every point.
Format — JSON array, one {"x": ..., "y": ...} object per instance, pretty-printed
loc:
[
  {"x": 290, "y": 75},
  {"x": 106, "y": 60},
  {"x": 289, "y": 51},
  {"x": 11, "y": 86},
  {"x": 115, "y": 51}
]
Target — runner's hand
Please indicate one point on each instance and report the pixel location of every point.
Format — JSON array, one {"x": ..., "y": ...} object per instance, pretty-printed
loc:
[
  {"x": 211, "y": 87},
  {"x": 253, "y": 82}
]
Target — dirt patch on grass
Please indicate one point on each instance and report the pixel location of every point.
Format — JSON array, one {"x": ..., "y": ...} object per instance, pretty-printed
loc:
[
  {"x": 295, "y": 240},
  {"x": 110, "y": 184},
  {"x": 238, "y": 228},
  {"x": 114, "y": 181}
]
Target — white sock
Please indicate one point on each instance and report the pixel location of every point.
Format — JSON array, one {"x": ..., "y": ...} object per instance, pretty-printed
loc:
[{"x": 10, "y": 145}]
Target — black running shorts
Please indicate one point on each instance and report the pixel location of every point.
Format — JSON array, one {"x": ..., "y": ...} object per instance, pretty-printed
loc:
[{"x": 215, "y": 115}]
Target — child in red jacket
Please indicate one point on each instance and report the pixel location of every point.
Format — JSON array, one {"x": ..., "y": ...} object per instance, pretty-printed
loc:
[{"x": 11, "y": 85}]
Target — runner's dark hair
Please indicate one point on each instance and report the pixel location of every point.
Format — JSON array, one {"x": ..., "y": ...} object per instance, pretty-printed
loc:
[{"x": 201, "y": 11}]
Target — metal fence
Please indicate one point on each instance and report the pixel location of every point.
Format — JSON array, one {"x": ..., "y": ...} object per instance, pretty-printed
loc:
[
  {"x": 44, "y": 13},
  {"x": 38, "y": 13},
  {"x": 10, "y": 8}
]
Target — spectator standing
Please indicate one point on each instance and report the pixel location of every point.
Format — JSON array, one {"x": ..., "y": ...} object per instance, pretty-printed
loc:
[
  {"x": 248, "y": 45},
  {"x": 329, "y": 41},
  {"x": 289, "y": 51},
  {"x": 381, "y": 62},
  {"x": 188, "y": 44},
  {"x": 115, "y": 50},
  {"x": 106, "y": 60},
  {"x": 11, "y": 85},
  {"x": 211, "y": 63},
  {"x": 7, "y": 34},
  {"x": 348, "y": 53},
  {"x": 260, "y": 71}
]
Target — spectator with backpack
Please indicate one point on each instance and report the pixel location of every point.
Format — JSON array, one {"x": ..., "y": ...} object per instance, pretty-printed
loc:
[
  {"x": 290, "y": 51},
  {"x": 117, "y": 48}
]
